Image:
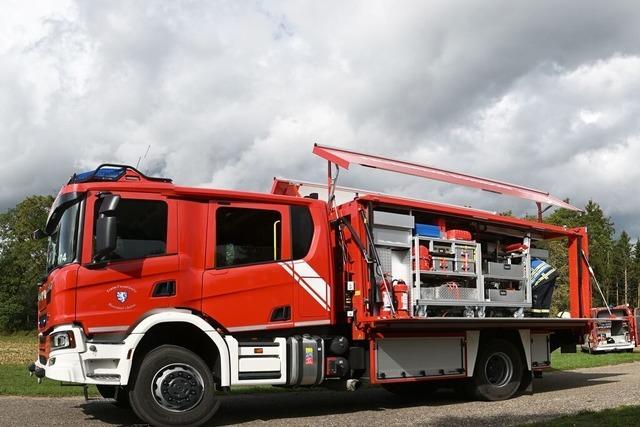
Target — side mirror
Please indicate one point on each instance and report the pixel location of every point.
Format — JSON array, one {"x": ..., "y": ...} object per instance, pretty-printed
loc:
[
  {"x": 39, "y": 234},
  {"x": 106, "y": 227}
]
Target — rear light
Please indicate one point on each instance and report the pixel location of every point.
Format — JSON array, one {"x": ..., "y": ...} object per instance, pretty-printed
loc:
[{"x": 60, "y": 340}]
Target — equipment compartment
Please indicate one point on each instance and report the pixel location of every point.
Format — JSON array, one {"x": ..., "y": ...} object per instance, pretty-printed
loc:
[{"x": 405, "y": 357}]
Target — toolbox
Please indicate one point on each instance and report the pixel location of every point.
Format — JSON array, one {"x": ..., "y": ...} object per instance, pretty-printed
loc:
[
  {"x": 504, "y": 271},
  {"x": 427, "y": 230}
]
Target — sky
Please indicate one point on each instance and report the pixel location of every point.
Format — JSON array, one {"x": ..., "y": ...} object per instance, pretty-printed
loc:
[{"x": 229, "y": 94}]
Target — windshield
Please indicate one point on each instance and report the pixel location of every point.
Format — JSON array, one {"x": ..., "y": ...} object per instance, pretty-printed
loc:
[{"x": 62, "y": 240}]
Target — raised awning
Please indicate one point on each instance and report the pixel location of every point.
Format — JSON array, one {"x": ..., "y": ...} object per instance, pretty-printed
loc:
[{"x": 344, "y": 158}]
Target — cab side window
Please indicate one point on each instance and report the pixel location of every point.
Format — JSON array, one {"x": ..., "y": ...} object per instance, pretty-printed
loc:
[
  {"x": 142, "y": 229},
  {"x": 247, "y": 236}
]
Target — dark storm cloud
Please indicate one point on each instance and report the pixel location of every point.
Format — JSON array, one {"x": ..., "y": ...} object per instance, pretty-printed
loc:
[{"x": 233, "y": 93}]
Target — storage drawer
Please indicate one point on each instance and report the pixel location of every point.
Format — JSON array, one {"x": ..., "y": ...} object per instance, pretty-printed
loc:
[
  {"x": 448, "y": 293},
  {"x": 442, "y": 264},
  {"x": 506, "y": 271},
  {"x": 507, "y": 295},
  {"x": 392, "y": 237},
  {"x": 442, "y": 248},
  {"x": 466, "y": 259},
  {"x": 394, "y": 220}
]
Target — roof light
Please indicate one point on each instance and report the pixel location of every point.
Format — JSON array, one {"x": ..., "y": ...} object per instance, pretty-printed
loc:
[{"x": 105, "y": 173}]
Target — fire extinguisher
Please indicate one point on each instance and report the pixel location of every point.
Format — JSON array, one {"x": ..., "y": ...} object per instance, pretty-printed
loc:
[
  {"x": 401, "y": 298},
  {"x": 385, "y": 286}
]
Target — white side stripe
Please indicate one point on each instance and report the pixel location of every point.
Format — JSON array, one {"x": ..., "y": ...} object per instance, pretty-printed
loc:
[
  {"x": 303, "y": 283},
  {"x": 310, "y": 281}
]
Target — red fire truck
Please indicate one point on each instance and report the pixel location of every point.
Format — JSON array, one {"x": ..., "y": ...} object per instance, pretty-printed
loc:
[
  {"x": 162, "y": 295},
  {"x": 612, "y": 329}
]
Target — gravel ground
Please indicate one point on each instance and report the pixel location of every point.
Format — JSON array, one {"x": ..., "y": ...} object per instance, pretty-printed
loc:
[{"x": 558, "y": 393}]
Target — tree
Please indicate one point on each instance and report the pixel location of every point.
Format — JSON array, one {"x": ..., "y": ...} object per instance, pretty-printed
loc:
[
  {"x": 621, "y": 267},
  {"x": 600, "y": 231},
  {"x": 634, "y": 289},
  {"x": 22, "y": 262}
]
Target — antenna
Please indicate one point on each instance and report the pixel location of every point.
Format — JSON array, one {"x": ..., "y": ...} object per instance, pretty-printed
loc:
[{"x": 143, "y": 157}]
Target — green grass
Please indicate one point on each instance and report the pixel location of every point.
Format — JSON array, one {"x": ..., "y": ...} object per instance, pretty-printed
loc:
[
  {"x": 16, "y": 381},
  {"x": 623, "y": 416},
  {"x": 566, "y": 361}
]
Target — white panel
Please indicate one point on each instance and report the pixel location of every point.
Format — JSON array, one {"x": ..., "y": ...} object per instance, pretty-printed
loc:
[
  {"x": 473, "y": 343},
  {"x": 417, "y": 357},
  {"x": 259, "y": 364},
  {"x": 540, "y": 349},
  {"x": 525, "y": 338},
  {"x": 249, "y": 351}
]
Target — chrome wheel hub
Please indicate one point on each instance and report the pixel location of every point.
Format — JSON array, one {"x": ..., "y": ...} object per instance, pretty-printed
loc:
[
  {"x": 499, "y": 369},
  {"x": 177, "y": 387}
]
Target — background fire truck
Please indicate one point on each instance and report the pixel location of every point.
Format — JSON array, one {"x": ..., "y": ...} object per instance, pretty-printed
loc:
[
  {"x": 612, "y": 329},
  {"x": 163, "y": 295}
]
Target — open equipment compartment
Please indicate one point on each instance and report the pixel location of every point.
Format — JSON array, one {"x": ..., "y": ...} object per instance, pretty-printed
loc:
[{"x": 454, "y": 267}]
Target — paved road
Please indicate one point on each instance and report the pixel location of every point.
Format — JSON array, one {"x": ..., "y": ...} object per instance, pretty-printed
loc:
[{"x": 556, "y": 394}]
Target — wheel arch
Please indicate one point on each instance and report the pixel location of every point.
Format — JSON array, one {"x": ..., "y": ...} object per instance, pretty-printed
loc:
[{"x": 182, "y": 328}]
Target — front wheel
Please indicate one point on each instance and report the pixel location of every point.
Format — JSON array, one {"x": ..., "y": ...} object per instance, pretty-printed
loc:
[
  {"x": 498, "y": 371},
  {"x": 174, "y": 387}
]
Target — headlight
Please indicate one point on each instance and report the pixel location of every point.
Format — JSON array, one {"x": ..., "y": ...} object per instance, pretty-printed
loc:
[{"x": 61, "y": 340}]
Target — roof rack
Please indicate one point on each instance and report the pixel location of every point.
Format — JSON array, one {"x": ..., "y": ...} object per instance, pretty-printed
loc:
[
  {"x": 339, "y": 157},
  {"x": 111, "y": 172}
]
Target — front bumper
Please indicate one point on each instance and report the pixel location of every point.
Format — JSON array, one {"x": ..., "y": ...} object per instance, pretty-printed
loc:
[
  {"x": 605, "y": 347},
  {"x": 88, "y": 362}
]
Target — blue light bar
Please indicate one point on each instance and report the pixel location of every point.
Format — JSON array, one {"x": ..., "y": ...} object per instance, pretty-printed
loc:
[
  {"x": 110, "y": 172},
  {"x": 103, "y": 173}
]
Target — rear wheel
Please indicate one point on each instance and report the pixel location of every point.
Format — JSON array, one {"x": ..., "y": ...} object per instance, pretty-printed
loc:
[
  {"x": 498, "y": 371},
  {"x": 174, "y": 387}
]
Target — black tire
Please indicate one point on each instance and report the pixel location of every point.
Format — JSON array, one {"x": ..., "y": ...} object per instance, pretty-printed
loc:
[
  {"x": 122, "y": 398},
  {"x": 498, "y": 371},
  {"x": 173, "y": 387},
  {"x": 416, "y": 390}
]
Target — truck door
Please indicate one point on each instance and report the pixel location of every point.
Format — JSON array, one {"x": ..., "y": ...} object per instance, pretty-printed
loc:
[
  {"x": 244, "y": 285},
  {"x": 142, "y": 272}
]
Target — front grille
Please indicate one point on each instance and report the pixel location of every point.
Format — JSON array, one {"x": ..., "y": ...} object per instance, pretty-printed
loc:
[{"x": 42, "y": 360}]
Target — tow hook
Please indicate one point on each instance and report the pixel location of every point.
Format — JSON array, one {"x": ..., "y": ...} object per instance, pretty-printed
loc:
[{"x": 37, "y": 371}]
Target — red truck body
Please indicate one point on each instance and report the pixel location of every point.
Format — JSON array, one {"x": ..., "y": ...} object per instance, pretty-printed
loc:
[{"x": 281, "y": 289}]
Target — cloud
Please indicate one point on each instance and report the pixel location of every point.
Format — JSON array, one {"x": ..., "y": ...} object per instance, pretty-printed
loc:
[{"x": 233, "y": 93}]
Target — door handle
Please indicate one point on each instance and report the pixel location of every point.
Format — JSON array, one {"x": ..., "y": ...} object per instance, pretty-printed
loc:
[
  {"x": 165, "y": 288},
  {"x": 217, "y": 272}
]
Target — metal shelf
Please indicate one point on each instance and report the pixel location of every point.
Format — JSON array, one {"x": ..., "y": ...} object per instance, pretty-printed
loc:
[
  {"x": 440, "y": 240},
  {"x": 474, "y": 303},
  {"x": 448, "y": 273},
  {"x": 498, "y": 277}
]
